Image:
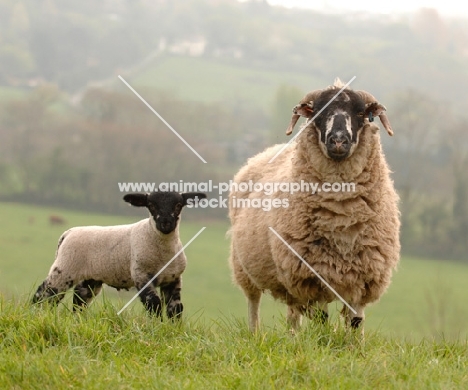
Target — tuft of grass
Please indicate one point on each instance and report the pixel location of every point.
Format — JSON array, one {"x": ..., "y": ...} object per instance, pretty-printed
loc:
[{"x": 48, "y": 347}]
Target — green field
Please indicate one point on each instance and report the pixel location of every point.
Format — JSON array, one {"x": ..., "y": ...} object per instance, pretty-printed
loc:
[
  {"x": 415, "y": 337},
  {"x": 426, "y": 298},
  {"x": 43, "y": 348}
]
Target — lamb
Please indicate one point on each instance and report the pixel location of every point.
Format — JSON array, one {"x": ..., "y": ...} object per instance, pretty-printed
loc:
[
  {"x": 351, "y": 239},
  {"x": 124, "y": 256}
]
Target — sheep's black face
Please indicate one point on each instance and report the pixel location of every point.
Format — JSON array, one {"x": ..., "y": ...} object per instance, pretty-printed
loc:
[
  {"x": 339, "y": 124},
  {"x": 165, "y": 208}
]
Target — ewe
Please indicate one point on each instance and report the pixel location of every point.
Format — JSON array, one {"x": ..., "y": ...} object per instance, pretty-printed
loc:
[{"x": 351, "y": 239}]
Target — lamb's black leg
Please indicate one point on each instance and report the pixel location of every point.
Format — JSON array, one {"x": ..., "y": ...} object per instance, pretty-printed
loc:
[
  {"x": 149, "y": 297},
  {"x": 84, "y": 292},
  {"x": 171, "y": 295},
  {"x": 45, "y": 292}
]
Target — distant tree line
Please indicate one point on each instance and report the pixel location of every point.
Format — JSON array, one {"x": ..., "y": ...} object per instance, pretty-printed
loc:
[{"x": 75, "y": 156}]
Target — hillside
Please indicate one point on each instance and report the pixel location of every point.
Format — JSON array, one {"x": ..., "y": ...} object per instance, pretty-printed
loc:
[
  {"x": 210, "y": 80},
  {"x": 426, "y": 297}
]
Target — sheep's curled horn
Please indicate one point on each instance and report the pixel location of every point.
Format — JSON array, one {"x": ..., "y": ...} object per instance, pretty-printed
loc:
[{"x": 305, "y": 108}]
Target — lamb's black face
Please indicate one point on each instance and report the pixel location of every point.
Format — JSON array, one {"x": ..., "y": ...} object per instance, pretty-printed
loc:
[
  {"x": 165, "y": 208},
  {"x": 339, "y": 124}
]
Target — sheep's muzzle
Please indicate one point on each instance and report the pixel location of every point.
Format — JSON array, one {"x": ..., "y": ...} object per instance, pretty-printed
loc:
[{"x": 338, "y": 145}]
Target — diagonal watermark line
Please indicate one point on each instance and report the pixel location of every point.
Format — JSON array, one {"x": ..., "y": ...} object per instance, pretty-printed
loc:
[
  {"x": 161, "y": 270},
  {"x": 311, "y": 120},
  {"x": 162, "y": 119},
  {"x": 315, "y": 273}
]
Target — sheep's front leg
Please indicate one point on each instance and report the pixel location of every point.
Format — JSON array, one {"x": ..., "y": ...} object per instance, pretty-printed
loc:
[
  {"x": 149, "y": 297},
  {"x": 351, "y": 319},
  {"x": 252, "y": 293},
  {"x": 54, "y": 287},
  {"x": 84, "y": 293},
  {"x": 171, "y": 296},
  {"x": 46, "y": 292},
  {"x": 253, "y": 299}
]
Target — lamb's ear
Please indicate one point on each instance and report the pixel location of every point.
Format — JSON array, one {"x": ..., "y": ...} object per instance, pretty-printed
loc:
[
  {"x": 138, "y": 200},
  {"x": 192, "y": 195}
]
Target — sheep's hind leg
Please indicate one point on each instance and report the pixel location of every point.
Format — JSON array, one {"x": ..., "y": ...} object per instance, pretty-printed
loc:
[
  {"x": 171, "y": 295},
  {"x": 318, "y": 312},
  {"x": 294, "y": 317},
  {"x": 84, "y": 293},
  {"x": 46, "y": 292}
]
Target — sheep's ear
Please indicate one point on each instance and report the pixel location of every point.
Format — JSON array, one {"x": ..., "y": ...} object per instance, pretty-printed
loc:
[
  {"x": 137, "y": 200},
  {"x": 192, "y": 195},
  {"x": 302, "y": 109},
  {"x": 375, "y": 109}
]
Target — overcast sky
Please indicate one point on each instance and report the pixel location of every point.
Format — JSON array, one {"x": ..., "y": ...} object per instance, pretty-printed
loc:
[{"x": 445, "y": 7}]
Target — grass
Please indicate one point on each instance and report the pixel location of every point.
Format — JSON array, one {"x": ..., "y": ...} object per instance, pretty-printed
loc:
[
  {"x": 413, "y": 338},
  {"x": 426, "y": 298},
  {"x": 51, "y": 348}
]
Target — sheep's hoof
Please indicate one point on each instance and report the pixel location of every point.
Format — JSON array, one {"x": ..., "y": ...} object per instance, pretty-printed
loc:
[
  {"x": 355, "y": 322},
  {"x": 175, "y": 311},
  {"x": 321, "y": 316}
]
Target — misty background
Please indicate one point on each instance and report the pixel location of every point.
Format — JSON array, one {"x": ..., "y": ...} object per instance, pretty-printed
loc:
[{"x": 225, "y": 75}]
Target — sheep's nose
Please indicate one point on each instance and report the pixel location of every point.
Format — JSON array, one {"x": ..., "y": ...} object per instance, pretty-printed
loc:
[{"x": 338, "y": 141}]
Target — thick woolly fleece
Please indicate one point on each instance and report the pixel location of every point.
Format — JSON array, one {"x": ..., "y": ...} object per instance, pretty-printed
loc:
[{"x": 350, "y": 238}]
